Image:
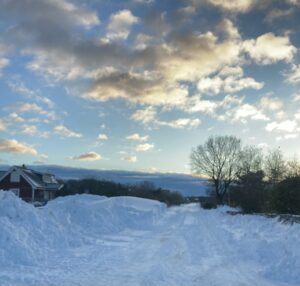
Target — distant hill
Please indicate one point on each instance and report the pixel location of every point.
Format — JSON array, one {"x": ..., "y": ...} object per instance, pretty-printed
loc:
[{"x": 187, "y": 185}]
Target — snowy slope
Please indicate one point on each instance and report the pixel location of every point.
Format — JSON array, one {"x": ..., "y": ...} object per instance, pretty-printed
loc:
[
  {"x": 185, "y": 184},
  {"x": 91, "y": 241}
]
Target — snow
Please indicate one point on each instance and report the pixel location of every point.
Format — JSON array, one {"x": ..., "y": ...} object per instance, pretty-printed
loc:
[{"x": 90, "y": 240}]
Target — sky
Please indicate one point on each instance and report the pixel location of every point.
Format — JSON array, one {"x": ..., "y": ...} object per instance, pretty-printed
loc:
[{"x": 136, "y": 84}]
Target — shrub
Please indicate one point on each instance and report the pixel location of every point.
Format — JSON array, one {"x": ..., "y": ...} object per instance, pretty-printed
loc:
[
  {"x": 286, "y": 196},
  {"x": 250, "y": 193},
  {"x": 208, "y": 205}
]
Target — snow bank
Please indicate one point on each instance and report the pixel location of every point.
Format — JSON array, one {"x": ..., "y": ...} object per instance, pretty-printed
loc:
[
  {"x": 274, "y": 245},
  {"x": 29, "y": 235}
]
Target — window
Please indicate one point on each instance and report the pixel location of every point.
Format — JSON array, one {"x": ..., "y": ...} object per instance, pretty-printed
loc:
[
  {"x": 15, "y": 177},
  {"x": 46, "y": 196},
  {"x": 16, "y": 192},
  {"x": 46, "y": 179}
]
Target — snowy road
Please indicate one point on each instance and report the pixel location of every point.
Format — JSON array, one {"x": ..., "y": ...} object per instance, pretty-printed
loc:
[{"x": 182, "y": 246}]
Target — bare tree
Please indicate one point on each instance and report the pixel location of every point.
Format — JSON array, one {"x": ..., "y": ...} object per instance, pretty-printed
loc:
[
  {"x": 250, "y": 160},
  {"x": 217, "y": 159},
  {"x": 293, "y": 168},
  {"x": 275, "y": 166}
]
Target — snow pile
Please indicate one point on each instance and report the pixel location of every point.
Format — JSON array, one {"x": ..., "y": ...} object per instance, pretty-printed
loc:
[
  {"x": 20, "y": 231},
  {"x": 275, "y": 246},
  {"x": 29, "y": 235},
  {"x": 93, "y": 215}
]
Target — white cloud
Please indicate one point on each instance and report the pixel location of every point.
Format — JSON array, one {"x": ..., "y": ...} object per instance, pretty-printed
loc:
[
  {"x": 102, "y": 137},
  {"x": 142, "y": 41},
  {"x": 289, "y": 126},
  {"x": 247, "y": 111},
  {"x": 3, "y": 63},
  {"x": 277, "y": 13},
  {"x": 236, "y": 71},
  {"x": 188, "y": 57},
  {"x": 80, "y": 16},
  {"x": 2, "y": 125},
  {"x": 196, "y": 104},
  {"x": 181, "y": 123},
  {"x": 21, "y": 88},
  {"x": 146, "y": 115},
  {"x": 119, "y": 25},
  {"x": 280, "y": 115},
  {"x": 296, "y": 97},
  {"x": 144, "y": 147},
  {"x": 3, "y": 60},
  {"x": 232, "y": 100},
  {"x": 33, "y": 130},
  {"x": 117, "y": 71},
  {"x": 90, "y": 156},
  {"x": 149, "y": 116},
  {"x": 16, "y": 147},
  {"x": 137, "y": 137},
  {"x": 33, "y": 108},
  {"x": 65, "y": 132},
  {"x": 27, "y": 107},
  {"x": 297, "y": 115},
  {"x": 291, "y": 136},
  {"x": 229, "y": 29},
  {"x": 147, "y": 2},
  {"x": 210, "y": 85},
  {"x": 229, "y": 84},
  {"x": 269, "y": 48},
  {"x": 147, "y": 87},
  {"x": 15, "y": 117},
  {"x": 235, "y": 6},
  {"x": 294, "y": 2},
  {"x": 271, "y": 103},
  {"x": 43, "y": 157},
  {"x": 235, "y": 84},
  {"x": 30, "y": 130},
  {"x": 263, "y": 145},
  {"x": 287, "y": 136},
  {"x": 131, "y": 159},
  {"x": 294, "y": 75}
]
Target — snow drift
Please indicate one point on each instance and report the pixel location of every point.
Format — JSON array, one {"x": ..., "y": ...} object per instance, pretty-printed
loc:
[
  {"x": 90, "y": 240},
  {"x": 29, "y": 235}
]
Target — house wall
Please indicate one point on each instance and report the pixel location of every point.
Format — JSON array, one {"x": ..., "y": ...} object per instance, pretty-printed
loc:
[{"x": 24, "y": 187}]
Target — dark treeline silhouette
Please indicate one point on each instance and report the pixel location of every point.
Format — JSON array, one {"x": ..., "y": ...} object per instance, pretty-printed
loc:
[
  {"x": 145, "y": 190},
  {"x": 248, "y": 178}
]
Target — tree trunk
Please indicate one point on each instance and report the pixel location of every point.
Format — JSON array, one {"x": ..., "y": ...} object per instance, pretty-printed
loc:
[{"x": 219, "y": 198}]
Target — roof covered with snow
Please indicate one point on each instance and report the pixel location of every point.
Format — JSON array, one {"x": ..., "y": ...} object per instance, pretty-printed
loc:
[{"x": 37, "y": 179}]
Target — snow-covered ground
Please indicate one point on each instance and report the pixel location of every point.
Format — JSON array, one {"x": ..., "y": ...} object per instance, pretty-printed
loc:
[{"x": 89, "y": 240}]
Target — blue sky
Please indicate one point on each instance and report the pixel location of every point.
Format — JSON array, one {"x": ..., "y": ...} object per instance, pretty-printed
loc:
[{"x": 136, "y": 84}]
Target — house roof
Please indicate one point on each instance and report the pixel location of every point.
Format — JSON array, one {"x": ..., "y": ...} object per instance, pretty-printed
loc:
[{"x": 37, "y": 179}]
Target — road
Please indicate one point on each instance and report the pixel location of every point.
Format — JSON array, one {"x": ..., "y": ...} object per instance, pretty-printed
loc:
[{"x": 186, "y": 246}]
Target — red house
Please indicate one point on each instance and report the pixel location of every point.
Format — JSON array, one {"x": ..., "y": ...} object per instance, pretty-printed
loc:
[{"x": 30, "y": 185}]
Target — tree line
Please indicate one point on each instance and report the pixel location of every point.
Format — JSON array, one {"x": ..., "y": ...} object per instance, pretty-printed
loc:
[
  {"x": 247, "y": 177},
  {"x": 144, "y": 189}
]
